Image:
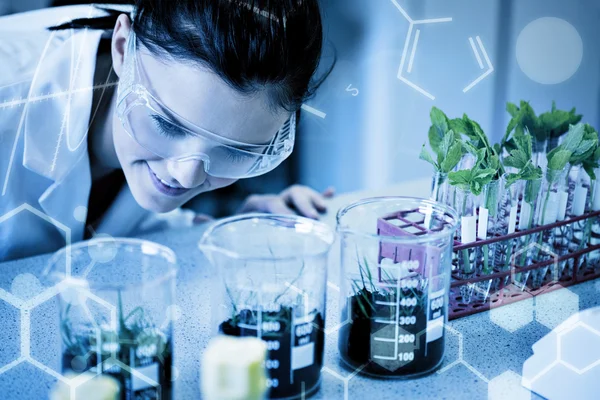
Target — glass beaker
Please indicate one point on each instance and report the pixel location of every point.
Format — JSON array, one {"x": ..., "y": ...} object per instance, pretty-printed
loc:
[
  {"x": 117, "y": 303},
  {"x": 396, "y": 255},
  {"x": 272, "y": 278}
]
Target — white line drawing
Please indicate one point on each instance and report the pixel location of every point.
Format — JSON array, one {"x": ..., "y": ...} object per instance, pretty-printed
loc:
[
  {"x": 47, "y": 218},
  {"x": 487, "y": 61},
  {"x": 476, "y": 53},
  {"x": 562, "y": 333},
  {"x": 24, "y": 112},
  {"x": 346, "y": 380},
  {"x": 460, "y": 359},
  {"x": 407, "y": 43},
  {"x": 30, "y": 98},
  {"x": 559, "y": 356},
  {"x": 314, "y": 111},
  {"x": 25, "y": 308},
  {"x": 354, "y": 91},
  {"x": 49, "y": 96},
  {"x": 414, "y": 50}
]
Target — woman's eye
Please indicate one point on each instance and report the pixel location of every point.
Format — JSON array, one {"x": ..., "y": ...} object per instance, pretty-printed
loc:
[
  {"x": 235, "y": 156},
  {"x": 167, "y": 129}
]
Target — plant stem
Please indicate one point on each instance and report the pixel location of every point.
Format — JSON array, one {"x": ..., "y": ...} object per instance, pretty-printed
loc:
[
  {"x": 486, "y": 269},
  {"x": 465, "y": 253}
]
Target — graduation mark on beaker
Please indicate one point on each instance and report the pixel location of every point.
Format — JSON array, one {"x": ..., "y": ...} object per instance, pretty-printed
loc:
[{"x": 294, "y": 337}]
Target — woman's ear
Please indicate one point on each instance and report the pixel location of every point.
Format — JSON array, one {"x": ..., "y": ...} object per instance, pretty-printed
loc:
[{"x": 119, "y": 41}]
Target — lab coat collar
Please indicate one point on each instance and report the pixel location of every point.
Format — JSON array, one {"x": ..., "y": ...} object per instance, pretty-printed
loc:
[{"x": 55, "y": 128}]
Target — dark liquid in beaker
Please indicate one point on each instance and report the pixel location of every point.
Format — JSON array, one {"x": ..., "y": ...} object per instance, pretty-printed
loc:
[
  {"x": 149, "y": 371},
  {"x": 372, "y": 332},
  {"x": 295, "y": 348}
]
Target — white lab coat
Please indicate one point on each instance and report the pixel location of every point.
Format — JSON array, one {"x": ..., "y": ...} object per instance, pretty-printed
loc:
[{"x": 45, "y": 107}]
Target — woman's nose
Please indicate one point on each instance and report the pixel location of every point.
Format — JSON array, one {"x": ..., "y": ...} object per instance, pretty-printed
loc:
[{"x": 189, "y": 173}]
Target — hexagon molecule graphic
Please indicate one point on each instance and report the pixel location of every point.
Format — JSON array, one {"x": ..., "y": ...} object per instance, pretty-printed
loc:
[
  {"x": 570, "y": 351},
  {"x": 513, "y": 317},
  {"x": 533, "y": 250},
  {"x": 555, "y": 307},
  {"x": 507, "y": 386},
  {"x": 66, "y": 291},
  {"x": 25, "y": 285}
]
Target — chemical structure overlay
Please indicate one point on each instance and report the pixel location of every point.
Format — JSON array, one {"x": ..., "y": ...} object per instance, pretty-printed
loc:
[
  {"x": 488, "y": 62},
  {"x": 415, "y": 43}
]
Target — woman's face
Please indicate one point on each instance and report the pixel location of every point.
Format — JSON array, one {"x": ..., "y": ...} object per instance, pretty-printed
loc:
[{"x": 200, "y": 97}]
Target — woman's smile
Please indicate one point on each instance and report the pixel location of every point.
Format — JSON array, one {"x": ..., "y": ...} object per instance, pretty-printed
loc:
[{"x": 163, "y": 186}]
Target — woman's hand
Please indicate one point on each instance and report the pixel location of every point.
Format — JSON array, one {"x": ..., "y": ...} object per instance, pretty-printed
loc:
[{"x": 296, "y": 199}]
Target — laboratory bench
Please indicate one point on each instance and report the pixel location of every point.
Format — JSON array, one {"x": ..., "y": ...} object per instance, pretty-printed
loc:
[{"x": 477, "y": 350}]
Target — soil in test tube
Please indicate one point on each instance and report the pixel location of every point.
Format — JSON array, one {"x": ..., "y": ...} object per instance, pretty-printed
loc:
[
  {"x": 359, "y": 344},
  {"x": 295, "y": 348}
]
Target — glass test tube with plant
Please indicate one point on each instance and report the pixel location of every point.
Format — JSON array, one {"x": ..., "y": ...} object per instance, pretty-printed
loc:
[
  {"x": 581, "y": 189},
  {"x": 484, "y": 177},
  {"x": 522, "y": 186}
]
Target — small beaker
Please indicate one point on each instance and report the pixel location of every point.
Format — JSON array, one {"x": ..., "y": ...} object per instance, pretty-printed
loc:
[
  {"x": 117, "y": 305},
  {"x": 396, "y": 255},
  {"x": 272, "y": 276}
]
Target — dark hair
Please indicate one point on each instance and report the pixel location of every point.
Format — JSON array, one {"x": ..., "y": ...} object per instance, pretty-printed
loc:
[{"x": 253, "y": 45}]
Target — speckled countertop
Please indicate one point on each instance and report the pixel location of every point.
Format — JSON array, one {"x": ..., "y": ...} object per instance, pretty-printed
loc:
[{"x": 477, "y": 350}]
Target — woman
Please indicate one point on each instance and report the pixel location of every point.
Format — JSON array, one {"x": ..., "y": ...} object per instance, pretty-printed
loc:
[{"x": 175, "y": 99}]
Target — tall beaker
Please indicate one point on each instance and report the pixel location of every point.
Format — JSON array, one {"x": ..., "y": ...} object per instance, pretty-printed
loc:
[
  {"x": 396, "y": 255},
  {"x": 117, "y": 304},
  {"x": 272, "y": 278}
]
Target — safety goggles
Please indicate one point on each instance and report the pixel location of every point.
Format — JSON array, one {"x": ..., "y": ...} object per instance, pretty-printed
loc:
[{"x": 168, "y": 135}]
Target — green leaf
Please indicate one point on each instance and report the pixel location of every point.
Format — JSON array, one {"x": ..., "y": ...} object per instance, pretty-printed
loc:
[
  {"x": 483, "y": 174},
  {"x": 558, "y": 158},
  {"x": 469, "y": 129},
  {"x": 512, "y": 109},
  {"x": 524, "y": 143},
  {"x": 498, "y": 148},
  {"x": 476, "y": 188},
  {"x": 460, "y": 178},
  {"x": 585, "y": 150},
  {"x": 435, "y": 139},
  {"x": 573, "y": 139},
  {"x": 459, "y": 126},
  {"x": 510, "y": 145},
  {"x": 481, "y": 154},
  {"x": 557, "y": 122},
  {"x": 439, "y": 120},
  {"x": 529, "y": 121},
  {"x": 511, "y": 178},
  {"x": 452, "y": 158},
  {"x": 517, "y": 159},
  {"x": 494, "y": 163},
  {"x": 447, "y": 142},
  {"x": 470, "y": 148},
  {"x": 532, "y": 189},
  {"x": 531, "y": 172},
  {"x": 425, "y": 156},
  {"x": 512, "y": 124}
]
